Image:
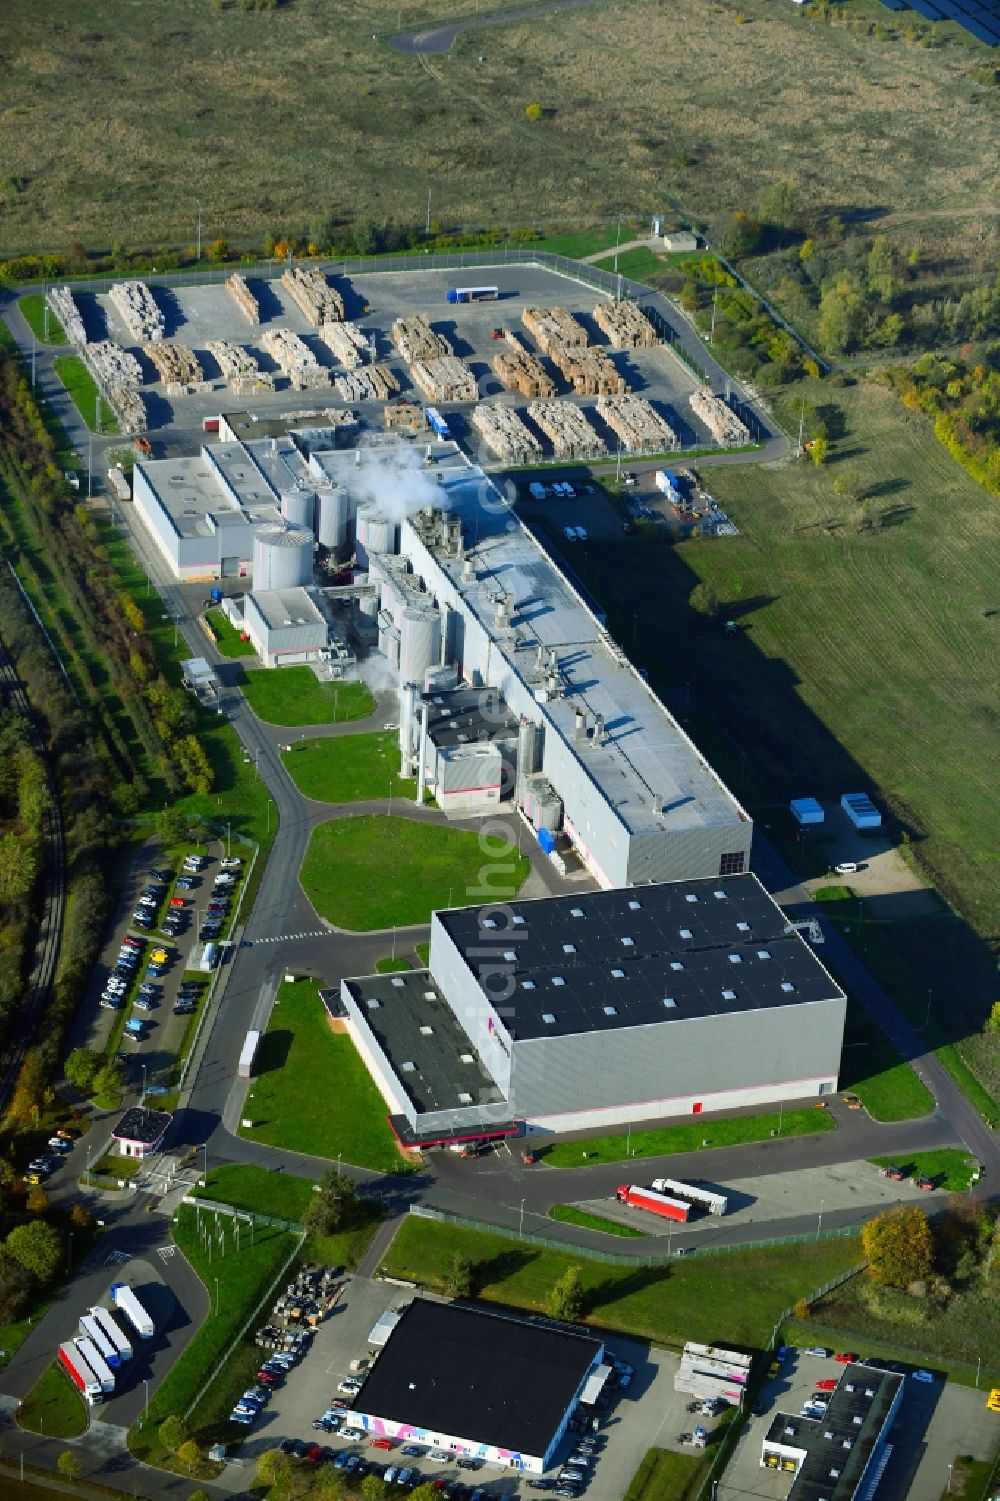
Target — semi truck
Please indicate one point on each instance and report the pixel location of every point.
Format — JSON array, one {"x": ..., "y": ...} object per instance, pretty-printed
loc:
[
  {"x": 700, "y": 1198},
  {"x": 125, "y": 1299},
  {"x": 112, "y": 1331},
  {"x": 248, "y": 1057},
  {"x": 95, "y": 1360},
  {"x": 474, "y": 294},
  {"x": 655, "y": 1203},
  {"x": 436, "y": 422},
  {"x": 80, "y": 1374},
  {"x": 91, "y": 1329}
]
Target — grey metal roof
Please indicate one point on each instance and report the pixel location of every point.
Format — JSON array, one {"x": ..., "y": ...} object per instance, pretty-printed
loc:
[
  {"x": 462, "y": 716},
  {"x": 283, "y": 607},
  {"x": 644, "y": 954},
  {"x": 838, "y": 1445}
]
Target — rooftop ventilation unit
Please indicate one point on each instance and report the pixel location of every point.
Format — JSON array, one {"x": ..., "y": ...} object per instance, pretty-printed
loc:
[
  {"x": 634, "y": 906},
  {"x": 465, "y": 1099},
  {"x": 407, "y": 1067},
  {"x": 669, "y": 1002},
  {"x": 397, "y": 982},
  {"x": 466, "y": 1058},
  {"x": 548, "y": 1018},
  {"x": 558, "y": 980},
  {"x": 427, "y": 1031},
  {"x": 729, "y": 995}
]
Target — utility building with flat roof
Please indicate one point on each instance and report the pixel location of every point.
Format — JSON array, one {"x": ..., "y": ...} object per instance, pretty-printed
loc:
[
  {"x": 480, "y": 1384},
  {"x": 841, "y": 1453}
]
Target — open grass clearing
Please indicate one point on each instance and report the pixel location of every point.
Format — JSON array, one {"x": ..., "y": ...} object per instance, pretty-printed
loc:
[
  {"x": 568, "y": 1214},
  {"x": 707, "y": 1132},
  {"x": 285, "y": 1197},
  {"x": 665, "y": 1475},
  {"x": 349, "y": 768},
  {"x": 53, "y": 1406},
  {"x": 390, "y": 966},
  {"x": 228, "y": 640},
  {"x": 638, "y": 262},
  {"x": 871, "y": 1068},
  {"x": 84, "y": 394},
  {"x": 312, "y": 1093},
  {"x": 686, "y": 1299},
  {"x": 376, "y": 872},
  {"x": 949, "y": 1168},
  {"x": 294, "y": 696},
  {"x": 41, "y": 320}
]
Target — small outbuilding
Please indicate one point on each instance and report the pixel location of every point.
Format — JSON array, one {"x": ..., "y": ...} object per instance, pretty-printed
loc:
[
  {"x": 680, "y": 240},
  {"x": 140, "y": 1131},
  {"x": 861, "y": 810},
  {"x": 806, "y": 810}
]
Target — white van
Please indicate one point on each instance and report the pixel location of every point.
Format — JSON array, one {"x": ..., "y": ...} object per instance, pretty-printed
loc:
[{"x": 847, "y": 868}]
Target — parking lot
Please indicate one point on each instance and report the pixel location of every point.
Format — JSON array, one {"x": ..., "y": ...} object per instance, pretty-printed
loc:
[{"x": 647, "y": 1413}]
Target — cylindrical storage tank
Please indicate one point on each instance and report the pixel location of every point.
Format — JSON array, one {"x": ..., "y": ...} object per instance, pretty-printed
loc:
[
  {"x": 333, "y": 511},
  {"x": 420, "y": 643},
  {"x": 299, "y": 507},
  {"x": 367, "y": 603},
  {"x": 374, "y": 532},
  {"x": 529, "y": 746},
  {"x": 548, "y": 812},
  {"x": 282, "y": 557}
]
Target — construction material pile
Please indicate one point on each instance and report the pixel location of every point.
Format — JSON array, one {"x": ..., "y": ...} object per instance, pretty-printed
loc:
[
  {"x": 60, "y": 300},
  {"x": 119, "y": 375},
  {"x": 239, "y": 366},
  {"x": 404, "y": 416},
  {"x": 371, "y": 383},
  {"x": 139, "y": 313},
  {"x": 416, "y": 340},
  {"x": 317, "y": 300},
  {"x": 504, "y": 434},
  {"x": 625, "y": 324},
  {"x": 721, "y": 421},
  {"x": 567, "y": 429},
  {"x": 295, "y": 359},
  {"x": 176, "y": 365},
  {"x": 519, "y": 371},
  {"x": 444, "y": 379},
  {"x": 554, "y": 328},
  {"x": 303, "y": 1305},
  {"x": 638, "y": 424},
  {"x": 590, "y": 372},
  {"x": 346, "y": 342},
  {"x": 243, "y": 297}
]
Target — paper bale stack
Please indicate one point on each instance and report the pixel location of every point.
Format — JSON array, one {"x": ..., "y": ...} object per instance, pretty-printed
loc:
[
  {"x": 590, "y": 372},
  {"x": 444, "y": 379},
  {"x": 317, "y": 301},
  {"x": 371, "y": 383},
  {"x": 554, "y": 328},
  {"x": 567, "y": 429},
  {"x": 60, "y": 300},
  {"x": 639, "y": 426},
  {"x": 416, "y": 340},
  {"x": 517, "y": 370},
  {"x": 119, "y": 375},
  {"x": 346, "y": 342},
  {"x": 625, "y": 324},
  {"x": 295, "y": 359},
  {"x": 239, "y": 366},
  {"x": 137, "y": 306},
  {"x": 721, "y": 421},
  {"x": 504, "y": 434},
  {"x": 243, "y": 297},
  {"x": 175, "y": 364}
]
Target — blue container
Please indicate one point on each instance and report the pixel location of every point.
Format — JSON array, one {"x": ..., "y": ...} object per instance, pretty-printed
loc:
[
  {"x": 215, "y": 595},
  {"x": 547, "y": 840}
]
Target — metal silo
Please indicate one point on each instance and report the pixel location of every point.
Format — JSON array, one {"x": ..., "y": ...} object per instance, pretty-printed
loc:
[
  {"x": 298, "y": 506},
  {"x": 282, "y": 556},
  {"x": 332, "y": 515},
  {"x": 419, "y": 643},
  {"x": 529, "y": 752},
  {"x": 374, "y": 533}
]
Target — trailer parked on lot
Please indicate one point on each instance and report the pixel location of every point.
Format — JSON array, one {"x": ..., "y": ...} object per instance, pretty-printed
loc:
[
  {"x": 473, "y": 294},
  {"x": 436, "y": 423},
  {"x": 80, "y": 1374},
  {"x": 112, "y": 1331},
  {"x": 654, "y": 1202},
  {"x": 700, "y": 1198},
  {"x": 125, "y": 1299},
  {"x": 91, "y": 1329},
  {"x": 248, "y": 1057},
  {"x": 97, "y": 1364}
]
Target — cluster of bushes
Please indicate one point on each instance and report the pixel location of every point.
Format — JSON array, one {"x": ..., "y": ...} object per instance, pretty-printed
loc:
[
  {"x": 964, "y": 403},
  {"x": 24, "y": 796},
  {"x": 741, "y": 327}
]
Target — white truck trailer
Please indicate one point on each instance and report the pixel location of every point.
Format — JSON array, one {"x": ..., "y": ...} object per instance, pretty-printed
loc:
[{"x": 125, "y": 1299}]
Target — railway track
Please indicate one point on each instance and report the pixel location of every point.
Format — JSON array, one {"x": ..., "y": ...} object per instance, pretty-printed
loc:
[{"x": 43, "y": 971}]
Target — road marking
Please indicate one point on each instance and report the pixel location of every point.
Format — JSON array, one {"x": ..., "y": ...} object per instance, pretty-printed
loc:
[{"x": 116, "y": 1258}]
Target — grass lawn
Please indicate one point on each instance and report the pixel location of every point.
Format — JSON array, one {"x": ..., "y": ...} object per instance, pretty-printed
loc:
[
  {"x": 349, "y": 769},
  {"x": 33, "y": 309},
  {"x": 287, "y": 1198},
  {"x": 244, "y": 1275},
  {"x": 295, "y": 696},
  {"x": 312, "y": 1093},
  {"x": 80, "y": 385},
  {"x": 53, "y": 1406},
  {"x": 391, "y": 966},
  {"x": 376, "y": 872},
  {"x": 423, "y": 951},
  {"x": 665, "y": 1475},
  {"x": 587, "y": 242},
  {"x": 871, "y": 1068},
  {"x": 948, "y": 1167},
  {"x": 227, "y": 638},
  {"x": 686, "y": 1299},
  {"x": 638, "y": 262},
  {"x": 568, "y": 1214},
  {"x": 687, "y": 1138}
]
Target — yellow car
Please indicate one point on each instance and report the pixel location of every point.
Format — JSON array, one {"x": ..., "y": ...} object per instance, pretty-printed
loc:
[
  {"x": 159, "y": 956},
  {"x": 33, "y": 1179},
  {"x": 993, "y": 1400}
]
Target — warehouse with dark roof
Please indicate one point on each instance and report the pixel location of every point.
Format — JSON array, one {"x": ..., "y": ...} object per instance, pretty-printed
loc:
[{"x": 482, "y": 1385}]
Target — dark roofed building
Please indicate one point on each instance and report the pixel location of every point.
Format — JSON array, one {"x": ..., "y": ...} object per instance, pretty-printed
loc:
[
  {"x": 840, "y": 1455},
  {"x": 140, "y": 1131},
  {"x": 477, "y": 1383}
]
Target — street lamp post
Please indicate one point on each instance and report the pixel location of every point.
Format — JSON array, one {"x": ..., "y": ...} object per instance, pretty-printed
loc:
[
  {"x": 87, "y": 1175},
  {"x": 204, "y": 1148},
  {"x": 142, "y": 1097},
  {"x": 216, "y": 1281},
  {"x": 228, "y": 835},
  {"x": 520, "y": 1226},
  {"x": 950, "y": 1468},
  {"x": 819, "y": 1222},
  {"x": 145, "y": 1410},
  {"x": 269, "y": 806},
  {"x": 390, "y": 799}
]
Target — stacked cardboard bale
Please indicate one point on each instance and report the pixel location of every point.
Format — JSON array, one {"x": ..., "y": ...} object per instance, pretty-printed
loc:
[
  {"x": 638, "y": 424},
  {"x": 60, "y": 300},
  {"x": 346, "y": 342},
  {"x": 722, "y": 422},
  {"x": 625, "y": 324},
  {"x": 416, "y": 340},
  {"x": 517, "y": 370},
  {"x": 370, "y": 383},
  {"x": 318, "y": 302},
  {"x": 567, "y": 429},
  {"x": 554, "y": 328},
  {"x": 137, "y": 306},
  {"x": 243, "y": 297},
  {"x": 239, "y": 366},
  {"x": 444, "y": 379},
  {"x": 175, "y": 364},
  {"x": 504, "y": 434},
  {"x": 295, "y": 359},
  {"x": 590, "y": 372},
  {"x": 114, "y": 367}
]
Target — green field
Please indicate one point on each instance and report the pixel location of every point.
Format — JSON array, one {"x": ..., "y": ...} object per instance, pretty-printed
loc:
[
  {"x": 294, "y": 696},
  {"x": 638, "y": 262},
  {"x": 390, "y": 966},
  {"x": 740, "y": 1294},
  {"x": 871, "y": 1068},
  {"x": 286, "y": 1198},
  {"x": 32, "y": 309},
  {"x": 665, "y": 1475},
  {"x": 228, "y": 640},
  {"x": 568, "y": 1214},
  {"x": 349, "y": 768},
  {"x": 53, "y": 1406},
  {"x": 84, "y": 394},
  {"x": 375, "y": 872},
  {"x": 311, "y": 1092},
  {"x": 688, "y": 1138},
  {"x": 948, "y": 1167}
]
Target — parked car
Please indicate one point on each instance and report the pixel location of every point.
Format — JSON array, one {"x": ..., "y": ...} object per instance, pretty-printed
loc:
[
  {"x": 131, "y": 943},
  {"x": 820, "y": 1351},
  {"x": 231, "y": 862},
  {"x": 470, "y": 1463},
  {"x": 143, "y": 1003},
  {"x": 924, "y": 1376},
  {"x": 414, "y": 1451},
  {"x": 185, "y": 883},
  {"x": 827, "y": 1385}
]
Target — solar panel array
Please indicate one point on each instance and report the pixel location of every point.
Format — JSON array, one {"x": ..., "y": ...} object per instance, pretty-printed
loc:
[{"x": 980, "y": 18}]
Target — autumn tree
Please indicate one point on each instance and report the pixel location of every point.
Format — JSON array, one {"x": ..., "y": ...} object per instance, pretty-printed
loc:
[
  {"x": 458, "y": 1276},
  {"x": 373, "y": 1488},
  {"x": 566, "y": 1297},
  {"x": 80, "y": 1068},
  {"x": 273, "y": 1469},
  {"x": 29, "y": 1093},
  {"x": 820, "y": 451},
  {"x": 881, "y": 269},
  {"x": 841, "y": 314},
  {"x": 189, "y": 1455},
  {"x": 704, "y": 601},
  {"x": 37, "y": 1247},
  {"x": 173, "y": 1432},
  {"x": 899, "y": 1246},
  {"x": 779, "y": 205},
  {"x": 68, "y": 1464},
  {"x": 329, "y": 1206}
]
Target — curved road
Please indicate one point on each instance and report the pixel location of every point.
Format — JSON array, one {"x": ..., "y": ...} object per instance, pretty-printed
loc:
[{"x": 441, "y": 38}]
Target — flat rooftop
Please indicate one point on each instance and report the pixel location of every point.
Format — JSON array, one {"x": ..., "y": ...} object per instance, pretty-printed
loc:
[
  {"x": 467, "y": 716},
  {"x": 643, "y": 954},
  {"x": 192, "y": 491},
  {"x": 287, "y": 607},
  {"x": 479, "y": 1376},
  {"x": 838, "y": 1445},
  {"x": 430, "y": 1053}
]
